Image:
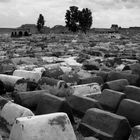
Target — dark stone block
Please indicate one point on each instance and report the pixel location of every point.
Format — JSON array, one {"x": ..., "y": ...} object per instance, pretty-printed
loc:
[{"x": 104, "y": 125}]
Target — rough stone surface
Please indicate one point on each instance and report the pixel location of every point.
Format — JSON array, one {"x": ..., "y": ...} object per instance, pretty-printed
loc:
[
  {"x": 90, "y": 138},
  {"x": 50, "y": 104},
  {"x": 104, "y": 125},
  {"x": 135, "y": 134},
  {"x": 96, "y": 79},
  {"x": 110, "y": 99},
  {"x": 132, "y": 92},
  {"x": 81, "y": 104},
  {"x": 11, "y": 111},
  {"x": 28, "y": 75},
  {"x": 103, "y": 74},
  {"x": 3, "y": 101},
  {"x": 117, "y": 85},
  {"x": 54, "y": 86},
  {"x": 28, "y": 99},
  {"x": 2, "y": 88},
  {"x": 132, "y": 78},
  {"x": 130, "y": 109},
  {"x": 43, "y": 127},
  {"x": 86, "y": 89}
]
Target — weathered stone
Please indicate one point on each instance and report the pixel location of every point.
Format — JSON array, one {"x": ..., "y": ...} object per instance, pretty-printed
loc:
[
  {"x": 130, "y": 109},
  {"x": 24, "y": 86},
  {"x": 135, "y": 68},
  {"x": 91, "y": 65},
  {"x": 86, "y": 89},
  {"x": 3, "y": 101},
  {"x": 2, "y": 88},
  {"x": 70, "y": 78},
  {"x": 54, "y": 126},
  {"x": 9, "y": 81},
  {"x": 54, "y": 86},
  {"x": 103, "y": 74},
  {"x": 7, "y": 66},
  {"x": 50, "y": 104},
  {"x": 104, "y": 125},
  {"x": 110, "y": 99},
  {"x": 93, "y": 79},
  {"x": 81, "y": 104},
  {"x": 90, "y": 138},
  {"x": 53, "y": 72},
  {"x": 117, "y": 85},
  {"x": 132, "y": 92},
  {"x": 11, "y": 111},
  {"x": 135, "y": 134},
  {"x": 29, "y": 99},
  {"x": 28, "y": 75},
  {"x": 40, "y": 70},
  {"x": 132, "y": 78}
]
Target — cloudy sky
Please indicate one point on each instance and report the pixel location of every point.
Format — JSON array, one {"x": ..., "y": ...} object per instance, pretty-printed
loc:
[{"x": 125, "y": 13}]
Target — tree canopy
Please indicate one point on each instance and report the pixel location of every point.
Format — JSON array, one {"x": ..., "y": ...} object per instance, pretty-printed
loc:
[
  {"x": 72, "y": 19},
  {"x": 85, "y": 19},
  {"x": 40, "y": 22},
  {"x": 78, "y": 20}
]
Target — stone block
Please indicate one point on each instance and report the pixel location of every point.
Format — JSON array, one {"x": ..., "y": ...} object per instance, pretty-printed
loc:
[
  {"x": 132, "y": 92},
  {"x": 54, "y": 86},
  {"x": 55, "y": 126},
  {"x": 50, "y": 104},
  {"x": 110, "y": 99},
  {"x": 103, "y": 74},
  {"x": 81, "y": 104},
  {"x": 28, "y": 75},
  {"x": 11, "y": 111},
  {"x": 130, "y": 109},
  {"x": 132, "y": 78},
  {"x": 104, "y": 125},
  {"x": 29, "y": 99},
  {"x": 86, "y": 89},
  {"x": 93, "y": 79},
  {"x": 117, "y": 85}
]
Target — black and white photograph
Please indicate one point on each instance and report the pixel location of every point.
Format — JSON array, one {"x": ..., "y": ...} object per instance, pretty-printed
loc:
[{"x": 69, "y": 69}]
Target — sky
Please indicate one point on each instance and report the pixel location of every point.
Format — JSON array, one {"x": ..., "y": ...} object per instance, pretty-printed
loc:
[{"x": 14, "y": 13}]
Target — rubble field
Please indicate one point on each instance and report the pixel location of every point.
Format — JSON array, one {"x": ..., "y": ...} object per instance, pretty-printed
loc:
[{"x": 70, "y": 87}]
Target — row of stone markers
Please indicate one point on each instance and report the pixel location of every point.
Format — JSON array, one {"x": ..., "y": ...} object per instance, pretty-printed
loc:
[
  {"x": 107, "y": 114},
  {"x": 40, "y": 102},
  {"x": 43, "y": 79}
]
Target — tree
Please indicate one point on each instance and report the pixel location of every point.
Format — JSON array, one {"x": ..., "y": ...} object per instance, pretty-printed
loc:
[
  {"x": 72, "y": 19},
  {"x": 40, "y": 22},
  {"x": 85, "y": 20},
  {"x": 78, "y": 20}
]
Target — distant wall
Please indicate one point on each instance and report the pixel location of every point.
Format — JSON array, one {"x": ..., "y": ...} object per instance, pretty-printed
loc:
[{"x": 6, "y": 30}]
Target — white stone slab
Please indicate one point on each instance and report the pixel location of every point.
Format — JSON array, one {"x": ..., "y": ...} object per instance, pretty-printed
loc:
[
  {"x": 86, "y": 89},
  {"x": 31, "y": 75},
  {"x": 11, "y": 111},
  {"x": 55, "y": 126}
]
